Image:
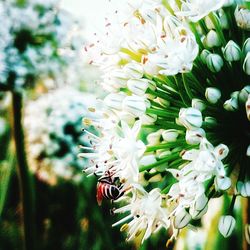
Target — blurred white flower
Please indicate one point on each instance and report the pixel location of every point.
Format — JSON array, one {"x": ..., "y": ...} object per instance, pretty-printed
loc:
[
  {"x": 226, "y": 225},
  {"x": 37, "y": 42},
  {"x": 53, "y": 133},
  {"x": 198, "y": 9}
]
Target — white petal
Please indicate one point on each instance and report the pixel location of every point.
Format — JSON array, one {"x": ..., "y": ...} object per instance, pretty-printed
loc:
[{"x": 182, "y": 219}]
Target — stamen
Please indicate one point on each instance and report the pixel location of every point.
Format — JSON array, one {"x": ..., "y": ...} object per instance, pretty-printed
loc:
[{"x": 91, "y": 134}]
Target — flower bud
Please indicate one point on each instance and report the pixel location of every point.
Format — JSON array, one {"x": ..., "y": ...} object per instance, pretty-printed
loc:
[
  {"x": 246, "y": 64},
  {"x": 221, "y": 151},
  {"x": 170, "y": 135},
  {"x": 147, "y": 160},
  {"x": 148, "y": 119},
  {"x": 212, "y": 39},
  {"x": 242, "y": 17},
  {"x": 163, "y": 154},
  {"x": 194, "y": 137},
  {"x": 182, "y": 219},
  {"x": 199, "y": 207},
  {"x": 198, "y": 104},
  {"x": 133, "y": 70},
  {"x": 210, "y": 121},
  {"x": 162, "y": 102},
  {"x": 214, "y": 62},
  {"x": 127, "y": 117},
  {"x": 223, "y": 20},
  {"x": 114, "y": 100},
  {"x": 243, "y": 95},
  {"x": 226, "y": 225},
  {"x": 155, "y": 178},
  {"x": 246, "y": 46},
  {"x": 114, "y": 80},
  {"x": 209, "y": 23},
  {"x": 243, "y": 188},
  {"x": 154, "y": 138},
  {"x": 213, "y": 95},
  {"x": 204, "y": 55},
  {"x": 190, "y": 118},
  {"x": 231, "y": 104},
  {"x": 232, "y": 51},
  {"x": 248, "y": 107},
  {"x": 135, "y": 105},
  {"x": 139, "y": 86},
  {"x": 222, "y": 183}
]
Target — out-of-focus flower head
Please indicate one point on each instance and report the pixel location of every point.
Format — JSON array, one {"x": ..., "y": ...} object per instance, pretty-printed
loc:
[
  {"x": 38, "y": 41},
  {"x": 53, "y": 132}
]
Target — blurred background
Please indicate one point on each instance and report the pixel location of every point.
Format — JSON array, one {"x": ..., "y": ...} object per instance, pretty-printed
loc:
[{"x": 67, "y": 215}]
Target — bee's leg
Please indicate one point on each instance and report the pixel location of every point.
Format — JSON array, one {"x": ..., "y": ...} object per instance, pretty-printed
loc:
[
  {"x": 112, "y": 211},
  {"x": 122, "y": 191}
]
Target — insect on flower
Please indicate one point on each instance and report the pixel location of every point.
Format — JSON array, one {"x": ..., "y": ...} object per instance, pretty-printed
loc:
[{"x": 109, "y": 188}]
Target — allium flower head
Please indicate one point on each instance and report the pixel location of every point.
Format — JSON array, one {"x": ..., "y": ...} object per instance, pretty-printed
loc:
[
  {"x": 53, "y": 131},
  {"x": 38, "y": 39},
  {"x": 178, "y": 87}
]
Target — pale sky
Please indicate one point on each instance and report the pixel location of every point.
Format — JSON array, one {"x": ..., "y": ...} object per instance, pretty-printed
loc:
[{"x": 90, "y": 12}]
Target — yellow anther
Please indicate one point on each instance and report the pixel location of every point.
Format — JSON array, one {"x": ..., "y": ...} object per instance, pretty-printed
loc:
[{"x": 124, "y": 227}]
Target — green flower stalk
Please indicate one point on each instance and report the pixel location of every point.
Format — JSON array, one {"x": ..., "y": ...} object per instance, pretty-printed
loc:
[
  {"x": 175, "y": 131},
  {"x": 25, "y": 179},
  {"x": 35, "y": 45}
]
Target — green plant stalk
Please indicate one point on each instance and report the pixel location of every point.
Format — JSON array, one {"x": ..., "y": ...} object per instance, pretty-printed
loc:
[
  {"x": 217, "y": 28},
  {"x": 197, "y": 35},
  {"x": 168, "y": 158},
  {"x": 25, "y": 181},
  {"x": 168, "y": 7},
  {"x": 5, "y": 179}
]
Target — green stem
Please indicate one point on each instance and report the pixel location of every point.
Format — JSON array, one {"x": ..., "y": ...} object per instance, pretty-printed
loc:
[
  {"x": 25, "y": 182},
  {"x": 187, "y": 87},
  {"x": 218, "y": 28},
  {"x": 176, "y": 163},
  {"x": 165, "y": 96},
  {"x": 178, "y": 2},
  {"x": 167, "y": 6},
  {"x": 167, "y": 86},
  {"x": 164, "y": 125},
  {"x": 176, "y": 143},
  {"x": 203, "y": 27},
  {"x": 4, "y": 87},
  {"x": 6, "y": 173},
  {"x": 182, "y": 91},
  {"x": 231, "y": 208},
  {"x": 173, "y": 156},
  {"x": 197, "y": 35},
  {"x": 162, "y": 113},
  {"x": 196, "y": 84}
]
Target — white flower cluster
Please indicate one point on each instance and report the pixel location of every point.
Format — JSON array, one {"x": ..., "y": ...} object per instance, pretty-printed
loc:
[
  {"x": 172, "y": 96},
  {"x": 38, "y": 40},
  {"x": 53, "y": 133}
]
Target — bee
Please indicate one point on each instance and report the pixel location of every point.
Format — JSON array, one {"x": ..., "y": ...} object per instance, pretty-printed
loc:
[{"x": 109, "y": 188}]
